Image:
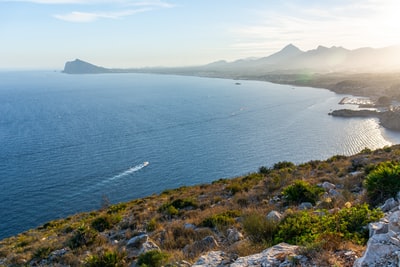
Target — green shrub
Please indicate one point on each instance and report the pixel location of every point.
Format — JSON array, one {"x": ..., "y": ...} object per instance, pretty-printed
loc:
[
  {"x": 116, "y": 208},
  {"x": 297, "y": 228},
  {"x": 220, "y": 220},
  {"x": 259, "y": 229},
  {"x": 283, "y": 165},
  {"x": 152, "y": 225},
  {"x": 83, "y": 236},
  {"x": 106, "y": 222},
  {"x": 351, "y": 222},
  {"x": 307, "y": 227},
  {"x": 152, "y": 258},
  {"x": 106, "y": 259},
  {"x": 235, "y": 187},
  {"x": 302, "y": 191},
  {"x": 264, "y": 170},
  {"x": 42, "y": 253},
  {"x": 174, "y": 207},
  {"x": 383, "y": 182},
  {"x": 101, "y": 223}
]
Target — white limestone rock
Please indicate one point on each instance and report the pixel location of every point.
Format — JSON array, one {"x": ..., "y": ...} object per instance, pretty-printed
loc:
[
  {"x": 389, "y": 204},
  {"x": 276, "y": 256},
  {"x": 212, "y": 258},
  {"x": 328, "y": 186},
  {"x": 274, "y": 216}
]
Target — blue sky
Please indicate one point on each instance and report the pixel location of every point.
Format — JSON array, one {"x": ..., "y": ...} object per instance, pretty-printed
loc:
[{"x": 37, "y": 34}]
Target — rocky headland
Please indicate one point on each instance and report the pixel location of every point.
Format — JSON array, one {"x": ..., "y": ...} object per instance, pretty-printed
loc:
[
  {"x": 389, "y": 119},
  {"x": 343, "y": 211}
]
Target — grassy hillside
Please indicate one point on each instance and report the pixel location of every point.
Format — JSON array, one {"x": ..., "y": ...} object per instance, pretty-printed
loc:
[{"x": 334, "y": 219}]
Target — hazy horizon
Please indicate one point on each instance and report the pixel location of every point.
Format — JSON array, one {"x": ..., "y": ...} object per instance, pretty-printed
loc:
[{"x": 44, "y": 34}]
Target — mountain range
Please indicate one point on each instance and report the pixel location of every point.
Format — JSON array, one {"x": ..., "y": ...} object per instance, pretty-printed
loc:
[
  {"x": 322, "y": 59},
  {"x": 288, "y": 60}
]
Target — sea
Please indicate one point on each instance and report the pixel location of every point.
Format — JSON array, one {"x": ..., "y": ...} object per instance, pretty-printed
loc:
[{"x": 67, "y": 142}]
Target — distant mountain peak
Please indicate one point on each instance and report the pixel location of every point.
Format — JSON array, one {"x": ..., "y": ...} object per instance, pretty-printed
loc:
[{"x": 290, "y": 47}]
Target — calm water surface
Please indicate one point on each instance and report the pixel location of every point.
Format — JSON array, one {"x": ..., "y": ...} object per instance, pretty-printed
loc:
[{"x": 68, "y": 140}]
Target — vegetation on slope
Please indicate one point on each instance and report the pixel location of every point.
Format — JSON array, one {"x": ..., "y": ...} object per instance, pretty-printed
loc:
[{"x": 177, "y": 219}]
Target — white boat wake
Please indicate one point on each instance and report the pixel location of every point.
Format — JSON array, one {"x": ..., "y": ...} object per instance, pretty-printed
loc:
[{"x": 130, "y": 171}]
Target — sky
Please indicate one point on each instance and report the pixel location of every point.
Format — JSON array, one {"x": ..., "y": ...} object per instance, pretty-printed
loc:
[{"x": 44, "y": 34}]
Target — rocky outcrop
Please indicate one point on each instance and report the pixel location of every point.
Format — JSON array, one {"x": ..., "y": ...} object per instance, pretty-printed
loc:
[
  {"x": 277, "y": 256},
  {"x": 383, "y": 247},
  {"x": 140, "y": 244},
  {"x": 389, "y": 119},
  {"x": 354, "y": 113},
  {"x": 274, "y": 216}
]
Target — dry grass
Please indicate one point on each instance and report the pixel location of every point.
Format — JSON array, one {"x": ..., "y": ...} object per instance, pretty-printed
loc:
[{"x": 250, "y": 194}]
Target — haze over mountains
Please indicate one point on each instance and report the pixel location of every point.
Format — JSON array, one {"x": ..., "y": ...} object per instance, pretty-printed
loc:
[
  {"x": 321, "y": 59},
  {"x": 288, "y": 60}
]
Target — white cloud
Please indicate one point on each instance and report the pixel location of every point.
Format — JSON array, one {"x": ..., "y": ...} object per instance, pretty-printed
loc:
[
  {"x": 355, "y": 24},
  {"x": 77, "y": 16},
  {"x": 155, "y": 3},
  {"x": 127, "y": 7}
]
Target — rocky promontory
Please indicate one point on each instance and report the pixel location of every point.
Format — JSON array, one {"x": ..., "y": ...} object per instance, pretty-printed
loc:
[
  {"x": 82, "y": 67},
  {"x": 389, "y": 119}
]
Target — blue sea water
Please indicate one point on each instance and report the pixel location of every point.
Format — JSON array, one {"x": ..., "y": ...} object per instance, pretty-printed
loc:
[{"x": 68, "y": 140}]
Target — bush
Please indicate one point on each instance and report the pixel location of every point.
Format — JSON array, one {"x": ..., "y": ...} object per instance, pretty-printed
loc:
[
  {"x": 259, "y": 229},
  {"x": 220, "y": 220},
  {"x": 101, "y": 224},
  {"x": 302, "y": 191},
  {"x": 264, "y": 170},
  {"x": 116, "y": 208},
  {"x": 283, "y": 165},
  {"x": 106, "y": 222},
  {"x": 383, "y": 182},
  {"x": 83, "y": 236},
  {"x": 174, "y": 207},
  {"x": 152, "y": 258},
  {"x": 107, "y": 259},
  {"x": 348, "y": 224},
  {"x": 42, "y": 253}
]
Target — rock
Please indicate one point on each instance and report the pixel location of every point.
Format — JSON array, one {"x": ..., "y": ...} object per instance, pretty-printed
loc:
[
  {"x": 389, "y": 204},
  {"x": 305, "y": 206},
  {"x": 212, "y": 258},
  {"x": 333, "y": 192},
  {"x": 278, "y": 255},
  {"x": 394, "y": 222},
  {"x": 198, "y": 247},
  {"x": 189, "y": 226},
  {"x": 327, "y": 186},
  {"x": 140, "y": 244},
  {"x": 147, "y": 246},
  {"x": 137, "y": 241},
  {"x": 378, "y": 228},
  {"x": 384, "y": 244},
  {"x": 234, "y": 235},
  {"x": 58, "y": 253},
  {"x": 274, "y": 216}
]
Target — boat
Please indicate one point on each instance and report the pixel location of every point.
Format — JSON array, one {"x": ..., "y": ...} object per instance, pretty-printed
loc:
[{"x": 145, "y": 163}]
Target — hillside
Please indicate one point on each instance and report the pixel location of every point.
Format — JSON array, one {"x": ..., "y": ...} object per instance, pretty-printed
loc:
[{"x": 312, "y": 214}]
